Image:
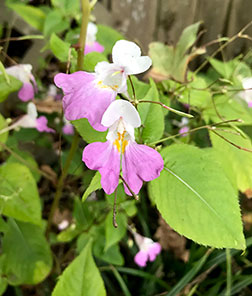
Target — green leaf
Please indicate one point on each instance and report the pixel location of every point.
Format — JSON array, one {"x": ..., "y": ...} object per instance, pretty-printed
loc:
[
  {"x": 6, "y": 88},
  {"x": 32, "y": 15},
  {"x": 91, "y": 59},
  {"x": 114, "y": 235},
  {"x": 4, "y": 136},
  {"x": 107, "y": 37},
  {"x": 229, "y": 108},
  {"x": 28, "y": 158},
  {"x": 140, "y": 88},
  {"x": 93, "y": 186},
  {"x": 81, "y": 277},
  {"x": 152, "y": 116},
  {"x": 28, "y": 257},
  {"x": 195, "y": 198},
  {"x": 19, "y": 196},
  {"x": 54, "y": 22},
  {"x": 236, "y": 163},
  {"x": 225, "y": 69},
  {"x": 67, "y": 7},
  {"x": 59, "y": 48},
  {"x": 2, "y": 70},
  {"x": 187, "y": 39},
  {"x": 87, "y": 132},
  {"x": 172, "y": 62}
]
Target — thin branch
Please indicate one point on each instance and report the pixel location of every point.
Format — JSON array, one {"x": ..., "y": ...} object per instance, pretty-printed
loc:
[
  {"x": 130, "y": 190},
  {"x": 114, "y": 210},
  {"x": 168, "y": 108}
]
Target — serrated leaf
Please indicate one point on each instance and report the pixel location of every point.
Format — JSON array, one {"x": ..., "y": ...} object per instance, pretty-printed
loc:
[
  {"x": 32, "y": 15},
  {"x": 195, "y": 198},
  {"x": 234, "y": 161},
  {"x": 87, "y": 132},
  {"x": 152, "y": 116},
  {"x": 8, "y": 88},
  {"x": 93, "y": 186},
  {"x": 19, "y": 194},
  {"x": 59, "y": 48},
  {"x": 81, "y": 277},
  {"x": 114, "y": 235},
  {"x": 27, "y": 254}
]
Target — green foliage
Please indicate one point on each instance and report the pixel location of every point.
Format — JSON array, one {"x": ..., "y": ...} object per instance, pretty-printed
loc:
[
  {"x": 27, "y": 256},
  {"x": 55, "y": 23},
  {"x": 201, "y": 203},
  {"x": 91, "y": 59},
  {"x": 93, "y": 186},
  {"x": 8, "y": 88},
  {"x": 172, "y": 62},
  {"x": 107, "y": 37},
  {"x": 81, "y": 277},
  {"x": 152, "y": 116},
  {"x": 3, "y": 136},
  {"x": 59, "y": 48},
  {"x": 87, "y": 132},
  {"x": 19, "y": 194},
  {"x": 235, "y": 162},
  {"x": 32, "y": 15},
  {"x": 114, "y": 235},
  {"x": 67, "y": 7}
]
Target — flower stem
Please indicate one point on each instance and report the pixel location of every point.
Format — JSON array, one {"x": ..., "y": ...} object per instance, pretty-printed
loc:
[{"x": 83, "y": 33}]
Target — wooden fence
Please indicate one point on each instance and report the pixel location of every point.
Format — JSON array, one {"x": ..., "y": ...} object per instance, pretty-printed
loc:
[{"x": 151, "y": 20}]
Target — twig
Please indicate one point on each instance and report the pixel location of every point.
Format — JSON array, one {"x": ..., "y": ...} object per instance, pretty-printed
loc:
[
  {"x": 130, "y": 190},
  {"x": 168, "y": 108},
  {"x": 133, "y": 90},
  {"x": 233, "y": 144}
]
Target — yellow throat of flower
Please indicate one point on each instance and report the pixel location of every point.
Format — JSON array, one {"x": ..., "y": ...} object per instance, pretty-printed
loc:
[{"x": 120, "y": 142}]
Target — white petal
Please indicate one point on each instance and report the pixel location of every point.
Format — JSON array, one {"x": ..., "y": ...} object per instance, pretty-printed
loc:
[
  {"x": 22, "y": 72},
  {"x": 32, "y": 110},
  {"x": 124, "y": 109},
  {"x": 247, "y": 82},
  {"x": 122, "y": 48},
  {"x": 127, "y": 55},
  {"x": 133, "y": 66},
  {"x": 91, "y": 32},
  {"x": 26, "y": 121}
]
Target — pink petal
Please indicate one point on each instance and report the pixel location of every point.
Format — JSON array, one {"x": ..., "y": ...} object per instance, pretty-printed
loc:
[
  {"x": 153, "y": 251},
  {"x": 141, "y": 258},
  {"x": 26, "y": 93},
  {"x": 94, "y": 46},
  {"x": 184, "y": 129},
  {"x": 104, "y": 158},
  {"x": 35, "y": 86},
  {"x": 250, "y": 104},
  {"x": 140, "y": 163},
  {"x": 41, "y": 125},
  {"x": 84, "y": 98},
  {"x": 68, "y": 129}
]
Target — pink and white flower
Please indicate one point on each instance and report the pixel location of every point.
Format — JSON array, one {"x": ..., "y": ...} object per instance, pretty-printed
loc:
[
  {"x": 30, "y": 120},
  {"x": 138, "y": 163},
  {"x": 148, "y": 250},
  {"x": 91, "y": 43},
  {"x": 23, "y": 73},
  {"x": 246, "y": 94},
  {"x": 88, "y": 95}
]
